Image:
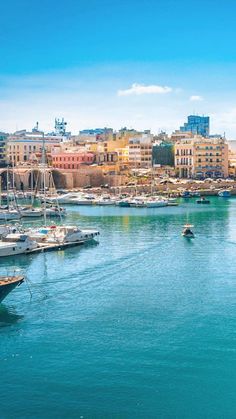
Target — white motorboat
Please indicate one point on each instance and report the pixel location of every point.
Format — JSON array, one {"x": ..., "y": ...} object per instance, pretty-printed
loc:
[
  {"x": 63, "y": 234},
  {"x": 84, "y": 200},
  {"x": 156, "y": 203},
  {"x": 31, "y": 212},
  {"x": 105, "y": 200},
  {"x": 55, "y": 211},
  {"x": 138, "y": 202},
  {"x": 16, "y": 244}
]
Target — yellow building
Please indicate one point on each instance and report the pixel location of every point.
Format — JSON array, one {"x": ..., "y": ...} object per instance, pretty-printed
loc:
[
  {"x": 24, "y": 149},
  {"x": 199, "y": 157}
]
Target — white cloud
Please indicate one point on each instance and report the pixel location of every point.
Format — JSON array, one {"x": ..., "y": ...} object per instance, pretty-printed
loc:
[
  {"x": 141, "y": 89},
  {"x": 196, "y": 98}
]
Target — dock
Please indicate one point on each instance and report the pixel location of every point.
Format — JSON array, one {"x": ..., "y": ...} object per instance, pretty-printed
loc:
[{"x": 49, "y": 247}]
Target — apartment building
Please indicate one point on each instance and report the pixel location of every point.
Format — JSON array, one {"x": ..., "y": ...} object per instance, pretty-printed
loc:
[{"x": 201, "y": 158}]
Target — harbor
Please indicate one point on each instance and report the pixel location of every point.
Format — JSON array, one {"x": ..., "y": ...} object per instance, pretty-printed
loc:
[{"x": 127, "y": 298}]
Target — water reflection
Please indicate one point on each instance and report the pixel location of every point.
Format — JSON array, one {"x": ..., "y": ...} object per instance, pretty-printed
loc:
[{"x": 8, "y": 316}]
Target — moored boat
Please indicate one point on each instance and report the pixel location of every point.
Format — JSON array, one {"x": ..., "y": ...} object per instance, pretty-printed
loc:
[
  {"x": 16, "y": 244},
  {"x": 8, "y": 283},
  {"x": 57, "y": 234},
  {"x": 224, "y": 193},
  {"x": 203, "y": 200}
]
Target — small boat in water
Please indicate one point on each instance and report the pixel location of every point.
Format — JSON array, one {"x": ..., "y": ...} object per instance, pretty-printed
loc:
[
  {"x": 16, "y": 244},
  {"x": 203, "y": 200},
  {"x": 7, "y": 284},
  {"x": 224, "y": 193},
  {"x": 187, "y": 232}
]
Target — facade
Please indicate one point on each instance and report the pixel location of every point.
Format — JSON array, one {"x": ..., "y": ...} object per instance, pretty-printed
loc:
[
  {"x": 25, "y": 148},
  {"x": 3, "y": 149},
  {"x": 201, "y": 158},
  {"x": 72, "y": 160},
  {"x": 102, "y": 157},
  {"x": 197, "y": 125},
  {"x": 163, "y": 154}
]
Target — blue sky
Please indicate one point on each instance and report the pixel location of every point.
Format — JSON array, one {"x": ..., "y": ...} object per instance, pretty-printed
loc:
[{"x": 144, "y": 64}]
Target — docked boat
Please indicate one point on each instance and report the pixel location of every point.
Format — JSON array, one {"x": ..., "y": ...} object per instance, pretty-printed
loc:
[
  {"x": 16, "y": 244},
  {"x": 138, "y": 202},
  {"x": 31, "y": 212},
  {"x": 224, "y": 193},
  {"x": 7, "y": 284},
  {"x": 123, "y": 203},
  {"x": 55, "y": 211},
  {"x": 156, "y": 203},
  {"x": 187, "y": 232},
  {"x": 186, "y": 194},
  {"x": 203, "y": 200},
  {"x": 63, "y": 234},
  {"x": 104, "y": 201}
]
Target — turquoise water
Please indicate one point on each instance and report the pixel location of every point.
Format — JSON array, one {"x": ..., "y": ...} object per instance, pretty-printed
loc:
[{"x": 142, "y": 325}]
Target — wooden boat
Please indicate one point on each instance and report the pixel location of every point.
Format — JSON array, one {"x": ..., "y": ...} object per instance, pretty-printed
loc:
[{"x": 8, "y": 283}]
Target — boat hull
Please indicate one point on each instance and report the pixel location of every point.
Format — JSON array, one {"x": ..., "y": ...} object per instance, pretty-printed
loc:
[{"x": 8, "y": 284}]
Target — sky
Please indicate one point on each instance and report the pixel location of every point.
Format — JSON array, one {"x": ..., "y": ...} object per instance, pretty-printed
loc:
[{"x": 135, "y": 63}]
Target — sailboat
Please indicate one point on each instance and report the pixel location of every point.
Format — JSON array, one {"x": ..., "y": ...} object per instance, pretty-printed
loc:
[
  {"x": 58, "y": 234},
  {"x": 8, "y": 212}
]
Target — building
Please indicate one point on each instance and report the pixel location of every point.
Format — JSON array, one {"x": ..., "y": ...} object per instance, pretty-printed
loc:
[
  {"x": 232, "y": 158},
  {"x": 163, "y": 154},
  {"x": 140, "y": 151},
  {"x": 197, "y": 125},
  {"x": 72, "y": 159},
  {"x": 201, "y": 158},
  {"x": 179, "y": 135},
  {"x": 3, "y": 149},
  {"x": 23, "y": 148}
]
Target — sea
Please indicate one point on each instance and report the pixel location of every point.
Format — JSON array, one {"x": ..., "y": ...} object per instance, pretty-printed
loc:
[{"x": 141, "y": 325}]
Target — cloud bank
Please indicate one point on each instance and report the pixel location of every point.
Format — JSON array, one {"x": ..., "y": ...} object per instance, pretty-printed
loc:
[
  {"x": 142, "y": 89},
  {"x": 196, "y": 98}
]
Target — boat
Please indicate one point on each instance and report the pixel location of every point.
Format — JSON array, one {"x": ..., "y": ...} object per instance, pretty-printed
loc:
[
  {"x": 31, "y": 212},
  {"x": 16, "y": 244},
  {"x": 138, "y": 202},
  {"x": 123, "y": 203},
  {"x": 8, "y": 283},
  {"x": 156, "y": 203},
  {"x": 105, "y": 200},
  {"x": 224, "y": 193},
  {"x": 63, "y": 234},
  {"x": 203, "y": 200},
  {"x": 55, "y": 211},
  {"x": 187, "y": 232},
  {"x": 186, "y": 194}
]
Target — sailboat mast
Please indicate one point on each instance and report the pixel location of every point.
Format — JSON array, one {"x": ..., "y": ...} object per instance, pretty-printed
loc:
[
  {"x": 8, "y": 186},
  {"x": 32, "y": 186},
  {"x": 0, "y": 190},
  {"x": 44, "y": 181}
]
